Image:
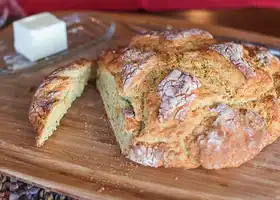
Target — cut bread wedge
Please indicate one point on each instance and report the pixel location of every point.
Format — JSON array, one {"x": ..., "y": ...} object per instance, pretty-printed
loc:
[{"x": 55, "y": 95}]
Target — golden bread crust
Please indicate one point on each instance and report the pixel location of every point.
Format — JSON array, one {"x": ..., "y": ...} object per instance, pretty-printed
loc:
[
  {"x": 177, "y": 83},
  {"x": 52, "y": 91}
]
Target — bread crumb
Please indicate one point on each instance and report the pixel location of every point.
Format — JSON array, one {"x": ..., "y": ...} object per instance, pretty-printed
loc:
[
  {"x": 113, "y": 170},
  {"x": 169, "y": 27},
  {"x": 101, "y": 189},
  {"x": 90, "y": 105}
]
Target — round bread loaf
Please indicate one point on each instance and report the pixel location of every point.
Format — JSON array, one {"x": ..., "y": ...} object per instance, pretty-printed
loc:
[{"x": 182, "y": 99}]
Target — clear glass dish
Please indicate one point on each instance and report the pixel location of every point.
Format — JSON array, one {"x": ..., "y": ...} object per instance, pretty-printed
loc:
[{"x": 84, "y": 30}]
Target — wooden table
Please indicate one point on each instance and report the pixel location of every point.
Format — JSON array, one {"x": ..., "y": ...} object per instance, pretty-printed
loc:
[{"x": 83, "y": 160}]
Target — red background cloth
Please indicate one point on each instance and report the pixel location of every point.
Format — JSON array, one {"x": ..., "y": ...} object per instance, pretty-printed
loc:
[{"x": 35, "y": 6}]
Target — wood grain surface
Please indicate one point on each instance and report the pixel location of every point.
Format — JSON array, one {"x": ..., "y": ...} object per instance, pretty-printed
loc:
[{"x": 82, "y": 158}]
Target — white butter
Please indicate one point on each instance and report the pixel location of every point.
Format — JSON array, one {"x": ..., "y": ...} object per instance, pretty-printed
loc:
[{"x": 39, "y": 36}]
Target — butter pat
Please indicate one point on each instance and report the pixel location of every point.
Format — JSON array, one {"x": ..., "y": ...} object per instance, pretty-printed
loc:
[{"x": 39, "y": 36}]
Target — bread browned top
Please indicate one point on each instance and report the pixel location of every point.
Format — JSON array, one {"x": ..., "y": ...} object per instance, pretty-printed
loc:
[
  {"x": 51, "y": 91},
  {"x": 198, "y": 101}
]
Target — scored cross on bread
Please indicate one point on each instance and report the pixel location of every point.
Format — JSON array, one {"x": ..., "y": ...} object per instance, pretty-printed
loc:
[{"x": 55, "y": 95}]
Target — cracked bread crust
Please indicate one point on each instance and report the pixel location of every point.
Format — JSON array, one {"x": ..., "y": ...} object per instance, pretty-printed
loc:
[
  {"x": 176, "y": 93},
  {"x": 236, "y": 136},
  {"x": 53, "y": 91},
  {"x": 191, "y": 90}
]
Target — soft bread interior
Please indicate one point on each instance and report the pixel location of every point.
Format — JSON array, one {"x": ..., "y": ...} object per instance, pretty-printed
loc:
[
  {"x": 78, "y": 83},
  {"x": 107, "y": 87}
]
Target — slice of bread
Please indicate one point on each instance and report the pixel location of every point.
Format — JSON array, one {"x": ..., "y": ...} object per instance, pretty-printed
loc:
[{"x": 55, "y": 95}]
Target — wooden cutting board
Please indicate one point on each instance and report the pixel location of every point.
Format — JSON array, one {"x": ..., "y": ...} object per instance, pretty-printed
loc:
[{"x": 82, "y": 158}]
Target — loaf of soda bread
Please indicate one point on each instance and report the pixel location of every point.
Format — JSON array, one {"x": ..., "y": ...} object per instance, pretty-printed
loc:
[
  {"x": 55, "y": 95},
  {"x": 182, "y": 99}
]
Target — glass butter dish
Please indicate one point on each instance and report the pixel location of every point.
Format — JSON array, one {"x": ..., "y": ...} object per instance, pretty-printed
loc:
[{"x": 83, "y": 31}]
